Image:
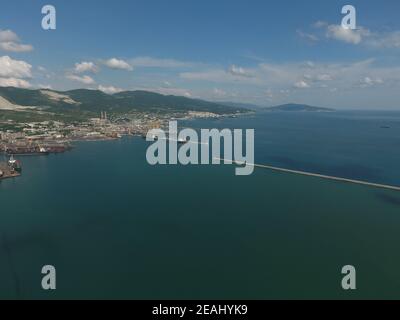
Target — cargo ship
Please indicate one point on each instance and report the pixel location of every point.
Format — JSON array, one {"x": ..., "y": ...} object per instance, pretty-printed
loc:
[
  {"x": 26, "y": 150},
  {"x": 35, "y": 150},
  {"x": 15, "y": 165}
]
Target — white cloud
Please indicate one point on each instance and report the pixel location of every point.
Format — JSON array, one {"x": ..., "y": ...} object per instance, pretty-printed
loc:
[
  {"x": 9, "y": 41},
  {"x": 114, "y": 63},
  {"x": 369, "y": 82},
  {"x": 15, "y": 47},
  {"x": 14, "y": 82},
  {"x": 109, "y": 89},
  {"x": 82, "y": 79},
  {"x": 232, "y": 75},
  {"x": 85, "y": 67},
  {"x": 347, "y": 35},
  {"x": 307, "y": 36},
  {"x": 301, "y": 85},
  {"x": 361, "y": 35},
  {"x": 10, "y": 68},
  {"x": 8, "y": 35},
  {"x": 320, "y": 24},
  {"x": 291, "y": 82},
  {"x": 239, "y": 71}
]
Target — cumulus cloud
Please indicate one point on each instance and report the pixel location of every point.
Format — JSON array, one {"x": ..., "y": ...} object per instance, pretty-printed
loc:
[
  {"x": 301, "y": 84},
  {"x": 85, "y": 67},
  {"x": 82, "y": 79},
  {"x": 14, "y": 82},
  {"x": 9, "y": 41},
  {"x": 376, "y": 40},
  {"x": 115, "y": 63},
  {"x": 10, "y": 68},
  {"x": 109, "y": 89},
  {"x": 13, "y": 73},
  {"x": 8, "y": 35},
  {"x": 15, "y": 47},
  {"x": 347, "y": 35},
  {"x": 359, "y": 36}
]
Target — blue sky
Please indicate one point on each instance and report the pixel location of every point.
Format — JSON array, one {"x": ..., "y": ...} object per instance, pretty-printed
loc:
[{"x": 263, "y": 52}]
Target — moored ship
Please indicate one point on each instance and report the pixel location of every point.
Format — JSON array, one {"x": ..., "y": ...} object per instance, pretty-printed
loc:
[
  {"x": 26, "y": 150},
  {"x": 31, "y": 150},
  {"x": 15, "y": 165}
]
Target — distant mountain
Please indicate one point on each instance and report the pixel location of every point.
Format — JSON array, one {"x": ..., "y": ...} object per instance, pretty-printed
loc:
[
  {"x": 241, "y": 105},
  {"x": 94, "y": 101},
  {"x": 292, "y": 107}
]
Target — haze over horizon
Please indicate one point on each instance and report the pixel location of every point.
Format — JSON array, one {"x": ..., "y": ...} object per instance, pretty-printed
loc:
[{"x": 259, "y": 53}]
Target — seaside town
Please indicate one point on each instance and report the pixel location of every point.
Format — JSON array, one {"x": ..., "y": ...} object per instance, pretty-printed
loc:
[{"x": 44, "y": 138}]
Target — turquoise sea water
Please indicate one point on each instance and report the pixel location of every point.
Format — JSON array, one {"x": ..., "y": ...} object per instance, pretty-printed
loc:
[{"x": 115, "y": 227}]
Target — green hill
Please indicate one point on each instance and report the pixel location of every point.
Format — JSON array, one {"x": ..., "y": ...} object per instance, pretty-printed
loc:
[{"x": 94, "y": 101}]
